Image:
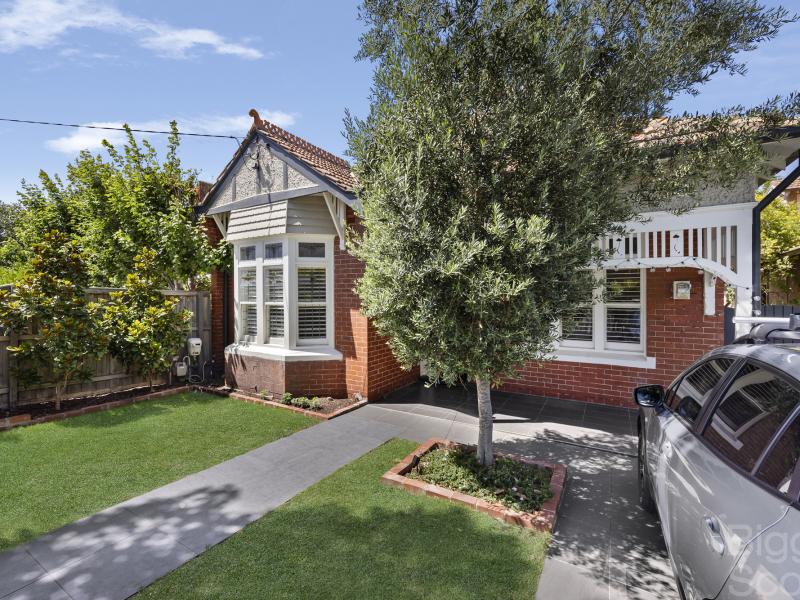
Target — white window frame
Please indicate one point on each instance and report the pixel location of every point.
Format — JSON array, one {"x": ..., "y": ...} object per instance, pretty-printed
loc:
[
  {"x": 290, "y": 262},
  {"x": 599, "y": 344}
]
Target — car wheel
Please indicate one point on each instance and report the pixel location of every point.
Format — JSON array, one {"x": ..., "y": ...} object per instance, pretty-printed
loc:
[{"x": 645, "y": 494}]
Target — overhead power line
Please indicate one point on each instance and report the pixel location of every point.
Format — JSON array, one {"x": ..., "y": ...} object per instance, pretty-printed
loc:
[{"x": 111, "y": 128}]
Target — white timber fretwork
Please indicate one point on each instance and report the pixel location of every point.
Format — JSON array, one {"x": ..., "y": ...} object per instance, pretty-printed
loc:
[{"x": 714, "y": 239}]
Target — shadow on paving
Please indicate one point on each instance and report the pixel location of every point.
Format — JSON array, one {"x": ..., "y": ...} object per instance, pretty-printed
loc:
[{"x": 112, "y": 554}]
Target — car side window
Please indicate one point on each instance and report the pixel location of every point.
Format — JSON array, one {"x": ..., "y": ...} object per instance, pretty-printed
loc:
[
  {"x": 778, "y": 466},
  {"x": 754, "y": 406},
  {"x": 697, "y": 386}
]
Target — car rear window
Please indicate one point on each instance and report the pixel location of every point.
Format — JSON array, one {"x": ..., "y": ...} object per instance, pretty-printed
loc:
[
  {"x": 696, "y": 387},
  {"x": 754, "y": 407}
]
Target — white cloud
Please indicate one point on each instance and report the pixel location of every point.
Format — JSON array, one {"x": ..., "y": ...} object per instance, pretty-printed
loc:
[
  {"x": 236, "y": 125},
  {"x": 42, "y": 23}
]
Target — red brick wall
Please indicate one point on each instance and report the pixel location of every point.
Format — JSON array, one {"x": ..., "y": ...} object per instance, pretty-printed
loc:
[
  {"x": 677, "y": 334},
  {"x": 385, "y": 374}
]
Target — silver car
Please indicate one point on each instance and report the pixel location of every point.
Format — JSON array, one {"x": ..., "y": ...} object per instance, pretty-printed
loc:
[{"x": 718, "y": 461}]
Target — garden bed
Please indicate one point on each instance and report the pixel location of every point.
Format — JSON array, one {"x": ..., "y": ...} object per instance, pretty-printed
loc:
[
  {"x": 45, "y": 412},
  {"x": 516, "y": 490},
  {"x": 324, "y": 408}
]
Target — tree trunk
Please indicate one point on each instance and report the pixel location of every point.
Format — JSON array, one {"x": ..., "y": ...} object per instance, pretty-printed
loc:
[{"x": 485, "y": 453}]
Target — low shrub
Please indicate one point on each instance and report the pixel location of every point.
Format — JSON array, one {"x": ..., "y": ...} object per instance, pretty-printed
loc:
[
  {"x": 514, "y": 484},
  {"x": 301, "y": 401}
]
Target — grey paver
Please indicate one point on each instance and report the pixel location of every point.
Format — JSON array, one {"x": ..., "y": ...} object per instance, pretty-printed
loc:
[{"x": 18, "y": 569}]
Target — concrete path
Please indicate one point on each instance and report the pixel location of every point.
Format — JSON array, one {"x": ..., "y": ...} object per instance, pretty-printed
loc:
[
  {"x": 604, "y": 546},
  {"x": 114, "y": 553}
]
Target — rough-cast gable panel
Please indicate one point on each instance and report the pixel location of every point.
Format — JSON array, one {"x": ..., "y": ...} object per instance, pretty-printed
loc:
[
  {"x": 741, "y": 191},
  {"x": 259, "y": 172}
]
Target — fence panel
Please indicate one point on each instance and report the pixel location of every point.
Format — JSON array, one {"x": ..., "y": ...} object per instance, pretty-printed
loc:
[
  {"x": 779, "y": 310},
  {"x": 109, "y": 375}
]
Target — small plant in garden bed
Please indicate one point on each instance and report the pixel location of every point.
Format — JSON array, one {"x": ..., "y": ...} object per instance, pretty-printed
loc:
[
  {"x": 302, "y": 402},
  {"x": 517, "y": 485}
]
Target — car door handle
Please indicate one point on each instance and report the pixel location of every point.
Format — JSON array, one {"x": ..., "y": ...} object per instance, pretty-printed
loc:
[
  {"x": 667, "y": 449},
  {"x": 714, "y": 535}
]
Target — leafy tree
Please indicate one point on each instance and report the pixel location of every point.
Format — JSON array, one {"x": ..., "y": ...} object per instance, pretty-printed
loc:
[
  {"x": 51, "y": 302},
  {"x": 117, "y": 206},
  {"x": 780, "y": 232},
  {"x": 505, "y": 136},
  {"x": 144, "y": 327}
]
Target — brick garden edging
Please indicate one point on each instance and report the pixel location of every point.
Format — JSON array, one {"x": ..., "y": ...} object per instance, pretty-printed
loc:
[
  {"x": 297, "y": 409},
  {"x": 542, "y": 520},
  {"x": 25, "y": 420}
]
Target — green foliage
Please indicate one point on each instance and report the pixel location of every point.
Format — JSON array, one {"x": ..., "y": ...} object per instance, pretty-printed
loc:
[
  {"x": 780, "y": 232},
  {"x": 500, "y": 144},
  {"x": 301, "y": 401},
  {"x": 118, "y": 206},
  {"x": 51, "y": 302},
  {"x": 515, "y": 484},
  {"x": 144, "y": 329}
]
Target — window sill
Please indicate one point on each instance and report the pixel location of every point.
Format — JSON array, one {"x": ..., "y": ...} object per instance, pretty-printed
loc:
[
  {"x": 620, "y": 359},
  {"x": 309, "y": 353}
]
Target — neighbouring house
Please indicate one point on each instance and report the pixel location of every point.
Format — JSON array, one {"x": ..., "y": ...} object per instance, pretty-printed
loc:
[{"x": 286, "y": 318}]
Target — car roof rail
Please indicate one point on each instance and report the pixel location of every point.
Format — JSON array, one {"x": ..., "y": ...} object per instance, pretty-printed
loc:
[{"x": 776, "y": 331}]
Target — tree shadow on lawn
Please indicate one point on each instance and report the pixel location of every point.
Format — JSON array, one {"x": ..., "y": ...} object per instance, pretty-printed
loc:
[{"x": 415, "y": 548}]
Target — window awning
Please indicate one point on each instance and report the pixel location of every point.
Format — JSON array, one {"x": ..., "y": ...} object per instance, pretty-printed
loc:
[{"x": 296, "y": 215}]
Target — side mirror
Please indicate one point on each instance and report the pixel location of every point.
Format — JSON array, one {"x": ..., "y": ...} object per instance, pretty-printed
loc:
[{"x": 649, "y": 395}]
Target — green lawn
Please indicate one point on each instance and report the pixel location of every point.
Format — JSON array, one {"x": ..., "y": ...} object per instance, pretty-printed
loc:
[
  {"x": 350, "y": 536},
  {"x": 56, "y": 473}
]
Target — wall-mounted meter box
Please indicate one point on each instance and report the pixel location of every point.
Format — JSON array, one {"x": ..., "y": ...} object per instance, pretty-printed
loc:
[
  {"x": 193, "y": 345},
  {"x": 681, "y": 290}
]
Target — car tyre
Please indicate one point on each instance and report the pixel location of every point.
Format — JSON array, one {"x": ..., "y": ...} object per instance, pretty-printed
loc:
[{"x": 646, "y": 500}]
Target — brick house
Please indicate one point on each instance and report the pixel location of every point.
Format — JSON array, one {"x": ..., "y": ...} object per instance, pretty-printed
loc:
[{"x": 286, "y": 318}]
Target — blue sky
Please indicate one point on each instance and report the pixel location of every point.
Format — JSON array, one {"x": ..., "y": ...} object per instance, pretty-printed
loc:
[{"x": 206, "y": 64}]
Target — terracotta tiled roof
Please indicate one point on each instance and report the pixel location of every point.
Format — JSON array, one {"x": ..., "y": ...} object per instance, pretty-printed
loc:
[
  {"x": 795, "y": 185},
  {"x": 335, "y": 169}
]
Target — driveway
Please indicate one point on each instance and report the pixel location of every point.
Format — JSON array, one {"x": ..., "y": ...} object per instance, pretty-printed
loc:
[{"x": 604, "y": 545}]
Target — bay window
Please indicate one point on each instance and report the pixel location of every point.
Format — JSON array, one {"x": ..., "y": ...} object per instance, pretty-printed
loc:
[
  {"x": 284, "y": 291},
  {"x": 615, "y": 320}
]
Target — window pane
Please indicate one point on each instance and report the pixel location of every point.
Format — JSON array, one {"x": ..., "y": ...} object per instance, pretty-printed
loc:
[
  {"x": 778, "y": 466},
  {"x": 247, "y": 253},
  {"x": 696, "y": 388},
  {"x": 623, "y": 325},
  {"x": 582, "y": 326},
  {"x": 247, "y": 285},
  {"x": 624, "y": 285},
  {"x": 311, "y": 285},
  {"x": 754, "y": 407},
  {"x": 273, "y": 284},
  {"x": 249, "y": 320},
  {"x": 311, "y": 322},
  {"x": 311, "y": 250},
  {"x": 272, "y": 251},
  {"x": 275, "y": 321}
]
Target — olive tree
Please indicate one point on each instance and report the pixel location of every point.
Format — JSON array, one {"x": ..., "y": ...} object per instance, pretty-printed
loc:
[{"x": 505, "y": 136}]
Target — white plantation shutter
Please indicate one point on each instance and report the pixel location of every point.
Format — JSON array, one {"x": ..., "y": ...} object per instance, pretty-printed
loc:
[
  {"x": 311, "y": 297},
  {"x": 273, "y": 302},
  {"x": 582, "y": 330},
  {"x": 624, "y": 306}
]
